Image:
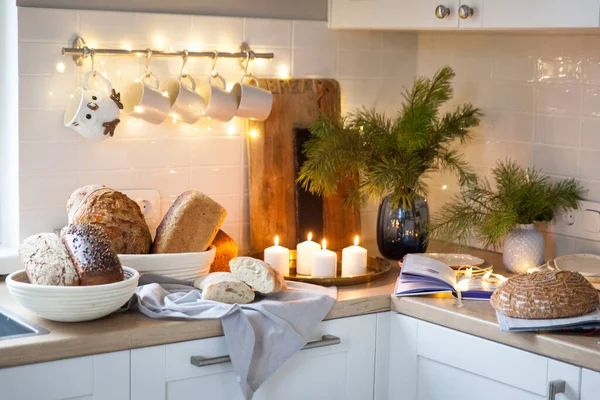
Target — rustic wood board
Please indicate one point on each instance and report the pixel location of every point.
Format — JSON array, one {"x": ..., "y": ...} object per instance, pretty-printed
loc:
[{"x": 296, "y": 104}]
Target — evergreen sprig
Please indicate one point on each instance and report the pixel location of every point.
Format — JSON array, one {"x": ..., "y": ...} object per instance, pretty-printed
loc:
[
  {"x": 392, "y": 156},
  {"x": 521, "y": 197}
]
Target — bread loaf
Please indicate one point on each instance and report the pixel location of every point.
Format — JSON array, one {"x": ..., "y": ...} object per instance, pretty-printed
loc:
[
  {"x": 226, "y": 250},
  {"x": 224, "y": 287},
  {"x": 258, "y": 274},
  {"x": 47, "y": 261},
  {"x": 545, "y": 295},
  {"x": 190, "y": 225},
  {"x": 96, "y": 263},
  {"x": 119, "y": 217}
]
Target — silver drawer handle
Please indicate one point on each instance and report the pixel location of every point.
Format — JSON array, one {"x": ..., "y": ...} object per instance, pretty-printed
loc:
[
  {"x": 326, "y": 340},
  {"x": 555, "y": 387}
]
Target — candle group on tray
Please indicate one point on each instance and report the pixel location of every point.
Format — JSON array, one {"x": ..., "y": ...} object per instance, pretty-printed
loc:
[{"x": 314, "y": 260}]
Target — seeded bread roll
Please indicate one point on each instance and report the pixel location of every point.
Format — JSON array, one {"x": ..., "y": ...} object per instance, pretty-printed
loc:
[
  {"x": 47, "y": 261},
  {"x": 545, "y": 295},
  {"x": 224, "y": 287},
  {"x": 119, "y": 217},
  {"x": 190, "y": 225},
  {"x": 90, "y": 250},
  {"x": 226, "y": 250},
  {"x": 258, "y": 274}
]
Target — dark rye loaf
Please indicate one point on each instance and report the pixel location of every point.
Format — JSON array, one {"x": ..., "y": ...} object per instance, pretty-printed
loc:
[
  {"x": 90, "y": 250},
  {"x": 190, "y": 225},
  {"x": 119, "y": 217}
]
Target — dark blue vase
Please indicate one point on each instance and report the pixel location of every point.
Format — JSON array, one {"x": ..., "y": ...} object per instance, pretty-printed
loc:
[{"x": 401, "y": 231}]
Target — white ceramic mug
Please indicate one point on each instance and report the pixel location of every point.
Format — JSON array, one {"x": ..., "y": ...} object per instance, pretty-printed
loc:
[
  {"x": 186, "y": 104},
  {"x": 94, "y": 114},
  {"x": 253, "y": 102},
  {"x": 220, "y": 104},
  {"x": 145, "y": 101}
]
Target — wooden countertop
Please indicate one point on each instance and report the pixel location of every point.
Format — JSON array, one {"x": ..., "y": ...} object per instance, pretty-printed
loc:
[
  {"x": 129, "y": 330},
  {"x": 133, "y": 330}
]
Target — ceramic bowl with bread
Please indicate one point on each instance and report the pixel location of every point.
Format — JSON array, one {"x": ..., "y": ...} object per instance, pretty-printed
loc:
[{"x": 74, "y": 277}]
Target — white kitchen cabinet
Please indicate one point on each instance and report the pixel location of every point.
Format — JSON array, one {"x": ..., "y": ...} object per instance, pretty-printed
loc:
[
  {"x": 391, "y": 14},
  {"x": 99, "y": 377},
  {"x": 590, "y": 384},
  {"x": 430, "y": 362},
  {"x": 340, "y": 371},
  {"x": 486, "y": 14},
  {"x": 541, "y": 14}
]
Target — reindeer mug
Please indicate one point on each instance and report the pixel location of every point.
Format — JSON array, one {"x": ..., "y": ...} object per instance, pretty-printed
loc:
[{"x": 94, "y": 114}]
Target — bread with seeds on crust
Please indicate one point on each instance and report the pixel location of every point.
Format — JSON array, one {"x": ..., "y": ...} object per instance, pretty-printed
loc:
[{"x": 90, "y": 250}]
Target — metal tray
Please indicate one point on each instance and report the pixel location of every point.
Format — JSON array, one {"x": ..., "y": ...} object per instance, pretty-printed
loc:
[{"x": 376, "y": 267}]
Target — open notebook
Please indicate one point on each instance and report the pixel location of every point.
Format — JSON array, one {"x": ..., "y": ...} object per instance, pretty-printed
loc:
[{"x": 424, "y": 275}]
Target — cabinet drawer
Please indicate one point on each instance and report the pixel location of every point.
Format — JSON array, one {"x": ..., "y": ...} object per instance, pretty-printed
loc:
[
  {"x": 51, "y": 380},
  {"x": 517, "y": 368},
  {"x": 178, "y": 365}
]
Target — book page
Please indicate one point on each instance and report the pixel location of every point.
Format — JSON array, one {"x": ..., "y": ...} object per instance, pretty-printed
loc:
[{"x": 417, "y": 265}]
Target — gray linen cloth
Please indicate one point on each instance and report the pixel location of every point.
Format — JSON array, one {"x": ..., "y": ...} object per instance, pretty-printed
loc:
[{"x": 260, "y": 336}]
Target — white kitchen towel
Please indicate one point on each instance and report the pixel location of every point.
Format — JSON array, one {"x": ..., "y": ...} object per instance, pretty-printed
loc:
[{"x": 260, "y": 336}]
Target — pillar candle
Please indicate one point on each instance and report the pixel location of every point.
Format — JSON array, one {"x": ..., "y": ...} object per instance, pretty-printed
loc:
[
  {"x": 324, "y": 262},
  {"x": 304, "y": 255},
  {"x": 278, "y": 257},
  {"x": 354, "y": 260}
]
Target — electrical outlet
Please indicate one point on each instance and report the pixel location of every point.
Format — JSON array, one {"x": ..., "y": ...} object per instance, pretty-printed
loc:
[
  {"x": 582, "y": 223},
  {"x": 149, "y": 202}
]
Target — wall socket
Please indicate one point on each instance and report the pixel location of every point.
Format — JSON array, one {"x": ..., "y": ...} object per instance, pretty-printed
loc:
[
  {"x": 582, "y": 223},
  {"x": 149, "y": 202}
]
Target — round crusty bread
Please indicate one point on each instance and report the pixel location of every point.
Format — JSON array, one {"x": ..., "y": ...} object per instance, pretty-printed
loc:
[
  {"x": 545, "y": 295},
  {"x": 190, "y": 225},
  {"x": 47, "y": 261},
  {"x": 258, "y": 274},
  {"x": 224, "y": 287},
  {"x": 78, "y": 197},
  {"x": 226, "y": 250},
  {"x": 119, "y": 217},
  {"x": 90, "y": 250}
]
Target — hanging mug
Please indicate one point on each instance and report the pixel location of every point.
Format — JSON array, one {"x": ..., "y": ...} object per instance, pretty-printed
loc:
[
  {"x": 220, "y": 104},
  {"x": 253, "y": 102},
  {"x": 186, "y": 104},
  {"x": 94, "y": 114},
  {"x": 144, "y": 100}
]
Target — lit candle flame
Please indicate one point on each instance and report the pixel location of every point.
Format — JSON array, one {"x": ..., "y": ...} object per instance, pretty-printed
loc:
[
  {"x": 276, "y": 241},
  {"x": 356, "y": 240},
  {"x": 309, "y": 237},
  {"x": 324, "y": 244}
]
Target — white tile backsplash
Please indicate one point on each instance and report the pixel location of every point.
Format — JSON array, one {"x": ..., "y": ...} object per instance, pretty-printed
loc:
[
  {"x": 172, "y": 158},
  {"x": 541, "y": 105}
]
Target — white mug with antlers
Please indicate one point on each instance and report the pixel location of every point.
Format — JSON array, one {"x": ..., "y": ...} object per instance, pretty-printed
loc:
[{"x": 94, "y": 114}]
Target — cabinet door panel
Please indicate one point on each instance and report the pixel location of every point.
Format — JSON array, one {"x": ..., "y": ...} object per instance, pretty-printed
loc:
[
  {"x": 479, "y": 356},
  {"x": 439, "y": 381},
  {"x": 590, "y": 384},
  {"x": 541, "y": 14},
  {"x": 391, "y": 14}
]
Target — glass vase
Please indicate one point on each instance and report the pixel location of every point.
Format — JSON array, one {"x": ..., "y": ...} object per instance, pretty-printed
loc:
[{"x": 400, "y": 230}]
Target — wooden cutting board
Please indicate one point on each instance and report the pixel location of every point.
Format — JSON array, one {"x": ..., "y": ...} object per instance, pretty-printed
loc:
[{"x": 278, "y": 205}]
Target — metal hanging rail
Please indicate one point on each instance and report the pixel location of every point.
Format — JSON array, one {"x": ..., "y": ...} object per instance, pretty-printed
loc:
[{"x": 80, "y": 51}]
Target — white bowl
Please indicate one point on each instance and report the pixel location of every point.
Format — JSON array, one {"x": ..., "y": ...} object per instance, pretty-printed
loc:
[
  {"x": 72, "y": 303},
  {"x": 185, "y": 266}
]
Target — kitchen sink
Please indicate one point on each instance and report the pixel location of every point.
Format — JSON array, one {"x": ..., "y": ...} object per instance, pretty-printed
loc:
[{"x": 13, "y": 326}]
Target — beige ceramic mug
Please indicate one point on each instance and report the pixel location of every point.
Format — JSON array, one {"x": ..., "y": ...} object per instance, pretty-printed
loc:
[
  {"x": 142, "y": 99},
  {"x": 252, "y": 101},
  {"x": 186, "y": 104},
  {"x": 220, "y": 104}
]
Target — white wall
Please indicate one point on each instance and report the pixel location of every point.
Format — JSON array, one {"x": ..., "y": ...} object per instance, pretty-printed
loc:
[
  {"x": 541, "y": 96},
  {"x": 372, "y": 68},
  {"x": 9, "y": 138}
]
